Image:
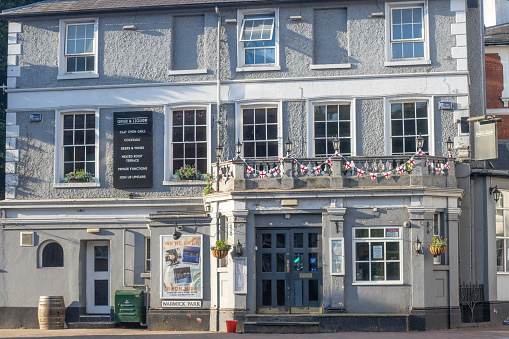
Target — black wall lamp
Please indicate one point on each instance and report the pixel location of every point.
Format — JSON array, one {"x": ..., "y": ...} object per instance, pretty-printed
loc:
[
  {"x": 238, "y": 248},
  {"x": 176, "y": 234},
  {"x": 496, "y": 193},
  {"x": 419, "y": 141},
  {"x": 336, "y": 143},
  {"x": 238, "y": 148},
  {"x": 417, "y": 246}
]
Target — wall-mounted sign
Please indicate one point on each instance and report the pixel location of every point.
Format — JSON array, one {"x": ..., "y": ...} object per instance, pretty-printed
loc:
[
  {"x": 132, "y": 153},
  {"x": 35, "y": 117},
  {"x": 337, "y": 256},
  {"x": 181, "y": 303},
  {"x": 182, "y": 267},
  {"x": 486, "y": 141}
]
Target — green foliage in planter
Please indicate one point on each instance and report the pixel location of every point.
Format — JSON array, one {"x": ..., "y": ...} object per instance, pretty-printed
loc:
[
  {"x": 208, "y": 188},
  {"x": 79, "y": 175},
  {"x": 221, "y": 246},
  {"x": 438, "y": 242},
  {"x": 187, "y": 172}
]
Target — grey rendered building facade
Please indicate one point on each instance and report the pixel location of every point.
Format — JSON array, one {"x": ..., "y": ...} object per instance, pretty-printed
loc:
[{"x": 327, "y": 236}]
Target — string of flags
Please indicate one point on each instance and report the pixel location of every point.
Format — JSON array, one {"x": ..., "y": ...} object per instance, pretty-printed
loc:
[{"x": 349, "y": 166}]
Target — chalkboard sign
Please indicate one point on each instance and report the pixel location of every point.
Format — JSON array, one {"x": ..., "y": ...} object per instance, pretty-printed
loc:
[{"x": 132, "y": 152}]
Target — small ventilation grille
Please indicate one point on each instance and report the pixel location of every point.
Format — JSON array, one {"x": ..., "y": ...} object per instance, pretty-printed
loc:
[{"x": 27, "y": 239}]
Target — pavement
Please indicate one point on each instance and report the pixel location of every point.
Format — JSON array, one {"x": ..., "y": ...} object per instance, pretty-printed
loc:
[{"x": 463, "y": 333}]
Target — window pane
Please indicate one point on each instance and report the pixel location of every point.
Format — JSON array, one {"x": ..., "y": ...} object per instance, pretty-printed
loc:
[
  {"x": 266, "y": 241},
  {"x": 201, "y": 133},
  {"x": 313, "y": 290},
  {"x": 266, "y": 293},
  {"x": 101, "y": 292},
  {"x": 313, "y": 262},
  {"x": 319, "y": 129},
  {"x": 396, "y": 127},
  {"x": 272, "y": 149},
  {"x": 397, "y": 50},
  {"x": 280, "y": 262},
  {"x": 396, "y": 111},
  {"x": 68, "y": 154},
  {"x": 178, "y": 151},
  {"x": 188, "y": 117},
  {"x": 320, "y": 147},
  {"x": 377, "y": 271},
  {"x": 397, "y": 145},
  {"x": 249, "y": 151},
  {"x": 271, "y": 132},
  {"x": 312, "y": 240},
  {"x": 79, "y": 154},
  {"x": 298, "y": 261},
  {"x": 90, "y": 118},
  {"x": 362, "y": 271},
  {"x": 53, "y": 255},
  {"x": 260, "y": 116},
  {"x": 332, "y": 129},
  {"x": 266, "y": 262},
  {"x": 362, "y": 251},
  {"x": 261, "y": 149},
  {"x": 248, "y": 116},
  {"x": 332, "y": 112},
  {"x": 344, "y": 129},
  {"x": 408, "y": 50},
  {"x": 393, "y": 271},
  {"x": 418, "y": 50},
  {"x": 250, "y": 56},
  {"x": 500, "y": 255},
  {"x": 260, "y": 132},
  {"x": 298, "y": 240},
  {"x": 344, "y": 112},
  {"x": 201, "y": 150},
  {"x": 320, "y": 113},
  {"x": 406, "y": 30},
  {"x": 248, "y": 132},
  {"x": 392, "y": 250},
  {"x": 178, "y": 118},
  {"x": 280, "y": 240},
  {"x": 281, "y": 292},
  {"x": 377, "y": 233},
  {"x": 80, "y": 64},
  {"x": 272, "y": 115},
  {"x": 362, "y": 233},
  {"x": 189, "y": 134},
  {"x": 409, "y": 127}
]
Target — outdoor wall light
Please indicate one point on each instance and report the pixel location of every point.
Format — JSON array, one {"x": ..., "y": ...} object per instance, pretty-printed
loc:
[
  {"x": 420, "y": 141},
  {"x": 288, "y": 145},
  {"x": 176, "y": 234},
  {"x": 238, "y": 148},
  {"x": 219, "y": 153},
  {"x": 238, "y": 248},
  {"x": 450, "y": 144},
  {"x": 495, "y": 192},
  {"x": 417, "y": 246},
  {"x": 336, "y": 143}
]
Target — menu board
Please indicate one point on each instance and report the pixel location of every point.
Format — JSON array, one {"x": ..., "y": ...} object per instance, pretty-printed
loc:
[{"x": 132, "y": 152}]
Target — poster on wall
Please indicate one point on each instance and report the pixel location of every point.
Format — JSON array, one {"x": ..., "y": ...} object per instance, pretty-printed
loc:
[
  {"x": 182, "y": 267},
  {"x": 240, "y": 265},
  {"x": 337, "y": 256}
]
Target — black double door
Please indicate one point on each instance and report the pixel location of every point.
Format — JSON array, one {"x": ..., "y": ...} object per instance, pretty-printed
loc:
[{"x": 289, "y": 270}]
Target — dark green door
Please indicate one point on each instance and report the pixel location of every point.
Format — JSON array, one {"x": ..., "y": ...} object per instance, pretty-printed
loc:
[{"x": 289, "y": 270}]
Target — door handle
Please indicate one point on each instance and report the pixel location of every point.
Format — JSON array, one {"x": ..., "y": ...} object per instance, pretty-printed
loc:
[{"x": 288, "y": 266}]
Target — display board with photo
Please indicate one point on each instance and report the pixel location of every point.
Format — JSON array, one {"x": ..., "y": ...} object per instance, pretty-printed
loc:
[{"x": 182, "y": 266}]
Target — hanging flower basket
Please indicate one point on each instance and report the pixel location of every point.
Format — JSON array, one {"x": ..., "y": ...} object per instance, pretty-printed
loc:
[
  {"x": 219, "y": 254},
  {"x": 437, "y": 250},
  {"x": 438, "y": 246}
]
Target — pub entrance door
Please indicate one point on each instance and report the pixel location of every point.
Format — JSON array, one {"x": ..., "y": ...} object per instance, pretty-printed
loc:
[{"x": 289, "y": 270}]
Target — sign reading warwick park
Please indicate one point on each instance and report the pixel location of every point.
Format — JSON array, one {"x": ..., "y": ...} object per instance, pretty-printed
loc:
[{"x": 132, "y": 150}]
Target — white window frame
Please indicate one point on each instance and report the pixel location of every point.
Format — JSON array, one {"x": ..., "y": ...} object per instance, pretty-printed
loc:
[
  {"x": 503, "y": 205},
  {"x": 41, "y": 249},
  {"x": 241, "y": 67},
  {"x": 311, "y": 121},
  {"x": 431, "y": 122},
  {"x": 239, "y": 123},
  {"x": 148, "y": 257},
  {"x": 62, "y": 61},
  {"x": 384, "y": 240},
  {"x": 388, "y": 34},
  {"x": 59, "y": 150},
  {"x": 169, "y": 178}
]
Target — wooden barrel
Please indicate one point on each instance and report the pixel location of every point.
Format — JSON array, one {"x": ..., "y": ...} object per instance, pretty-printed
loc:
[{"x": 51, "y": 312}]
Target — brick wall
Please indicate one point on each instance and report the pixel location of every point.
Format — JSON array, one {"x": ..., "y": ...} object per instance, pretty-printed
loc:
[{"x": 494, "y": 81}]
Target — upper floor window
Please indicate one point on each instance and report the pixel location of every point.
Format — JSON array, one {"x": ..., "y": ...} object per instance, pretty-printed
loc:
[
  {"x": 189, "y": 138},
  {"x": 79, "y": 49},
  {"x": 76, "y": 134},
  {"x": 260, "y": 132},
  {"x": 331, "y": 121},
  {"x": 377, "y": 254},
  {"x": 258, "y": 39},
  {"x": 502, "y": 232},
  {"x": 407, "y": 34},
  {"x": 407, "y": 121}
]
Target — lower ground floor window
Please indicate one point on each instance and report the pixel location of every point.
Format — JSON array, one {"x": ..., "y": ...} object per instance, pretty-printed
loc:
[{"x": 377, "y": 254}]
